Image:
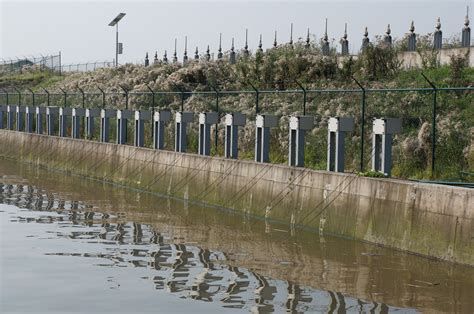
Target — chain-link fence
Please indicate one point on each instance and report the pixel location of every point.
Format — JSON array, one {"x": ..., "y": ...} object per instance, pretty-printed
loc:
[
  {"x": 85, "y": 67},
  {"x": 20, "y": 64}
]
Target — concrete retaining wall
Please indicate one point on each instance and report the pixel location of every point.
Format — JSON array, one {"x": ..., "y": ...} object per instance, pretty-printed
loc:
[{"x": 431, "y": 220}]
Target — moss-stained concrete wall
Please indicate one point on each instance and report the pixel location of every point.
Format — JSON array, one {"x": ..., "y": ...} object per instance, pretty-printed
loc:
[{"x": 427, "y": 219}]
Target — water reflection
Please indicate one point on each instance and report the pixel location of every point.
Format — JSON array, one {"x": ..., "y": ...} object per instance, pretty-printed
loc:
[{"x": 182, "y": 269}]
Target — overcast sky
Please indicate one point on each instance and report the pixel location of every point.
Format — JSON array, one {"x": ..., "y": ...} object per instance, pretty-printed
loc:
[{"x": 79, "y": 29}]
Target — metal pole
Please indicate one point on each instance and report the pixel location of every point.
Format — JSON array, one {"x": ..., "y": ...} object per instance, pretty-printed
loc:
[
  {"x": 362, "y": 125},
  {"x": 126, "y": 96},
  {"x": 433, "y": 125},
  {"x": 304, "y": 94},
  {"x": 152, "y": 95},
  {"x": 47, "y": 93},
  {"x": 116, "y": 45},
  {"x": 217, "y": 110},
  {"x": 65, "y": 96},
  {"x": 257, "y": 110},
  {"x": 83, "y": 97},
  {"x": 19, "y": 95},
  {"x": 103, "y": 97},
  {"x": 32, "y": 96}
]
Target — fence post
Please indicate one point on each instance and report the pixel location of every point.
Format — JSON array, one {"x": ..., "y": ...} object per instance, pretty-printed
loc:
[
  {"x": 83, "y": 96},
  {"x": 65, "y": 96},
  {"x": 47, "y": 93},
  {"x": 433, "y": 125},
  {"x": 217, "y": 110},
  {"x": 103, "y": 97},
  {"x": 304, "y": 96},
  {"x": 362, "y": 125},
  {"x": 19, "y": 95},
  {"x": 257, "y": 110},
  {"x": 126, "y": 96}
]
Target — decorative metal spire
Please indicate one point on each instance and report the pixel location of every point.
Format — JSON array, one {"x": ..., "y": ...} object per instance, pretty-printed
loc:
[
  {"x": 220, "y": 55},
  {"x": 307, "y": 45},
  {"x": 466, "y": 31},
  {"x": 208, "y": 54},
  {"x": 438, "y": 35},
  {"x": 175, "y": 56},
  {"x": 291, "y": 34},
  {"x": 196, "y": 54},
  {"x": 232, "y": 53},
  {"x": 275, "y": 40},
  {"x": 412, "y": 37},
  {"x": 365, "y": 40},
  {"x": 326, "y": 31},
  {"x": 388, "y": 38},
  {"x": 260, "y": 44},
  {"x": 185, "y": 55},
  {"x": 155, "y": 61},
  {"x": 246, "y": 47},
  {"x": 147, "y": 61},
  {"x": 466, "y": 19},
  {"x": 412, "y": 27},
  {"x": 344, "y": 42},
  {"x": 165, "y": 57}
]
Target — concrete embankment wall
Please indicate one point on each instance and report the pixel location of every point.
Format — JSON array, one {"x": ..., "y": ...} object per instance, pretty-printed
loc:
[{"x": 431, "y": 220}]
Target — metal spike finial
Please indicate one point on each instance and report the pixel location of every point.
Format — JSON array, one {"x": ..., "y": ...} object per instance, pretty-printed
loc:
[
  {"x": 345, "y": 31},
  {"x": 175, "y": 55},
  {"x": 275, "y": 40},
  {"x": 147, "y": 61},
  {"x": 326, "y": 31},
  {"x": 196, "y": 54},
  {"x": 208, "y": 53},
  {"x": 388, "y": 31},
  {"x": 438, "y": 23},
  {"x": 232, "y": 47},
  {"x": 366, "y": 32},
  {"x": 260, "y": 44},
  {"x": 220, "y": 55},
  {"x": 291, "y": 34},
  {"x": 155, "y": 60},
  {"x": 232, "y": 53},
  {"x": 466, "y": 19},
  {"x": 165, "y": 57},
  {"x": 185, "y": 54},
  {"x": 412, "y": 27},
  {"x": 246, "y": 47}
]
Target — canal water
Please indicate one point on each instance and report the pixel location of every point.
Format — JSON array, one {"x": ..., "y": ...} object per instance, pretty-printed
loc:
[{"x": 70, "y": 244}]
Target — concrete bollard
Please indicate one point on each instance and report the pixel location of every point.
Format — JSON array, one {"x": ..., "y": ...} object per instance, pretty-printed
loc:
[
  {"x": 122, "y": 122},
  {"x": 40, "y": 113},
  {"x": 383, "y": 130},
  {"x": 51, "y": 114},
  {"x": 206, "y": 119},
  {"x": 159, "y": 120},
  {"x": 298, "y": 127},
  {"x": 10, "y": 117},
  {"x": 29, "y": 116},
  {"x": 64, "y": 113},
  {"x": 91, "y": 113},
  {"x": 3, "y": 109},
  {"x": 262, "y": 136},
  {"x": 181, "y": 120},
  {"x": 20, "y": 118},
  {"x": 105, "y": 115},
  {"x": 77, "y": 116},
  {"x": 232, "y": 123},
  {"x": 140, "y": 117},
  {"x": 337, "y": 129}
]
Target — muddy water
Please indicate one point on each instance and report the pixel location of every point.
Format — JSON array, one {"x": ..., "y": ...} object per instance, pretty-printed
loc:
[{"x": 69, "y": 244}]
